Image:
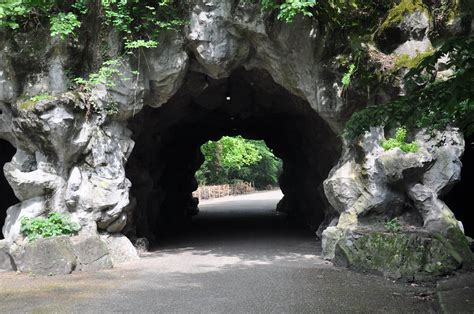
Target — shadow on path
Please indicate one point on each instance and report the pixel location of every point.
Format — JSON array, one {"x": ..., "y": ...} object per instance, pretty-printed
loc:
[{"x": 247, "y": 226}]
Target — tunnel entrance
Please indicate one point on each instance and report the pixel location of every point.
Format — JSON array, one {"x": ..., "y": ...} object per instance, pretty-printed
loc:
[
  {"x": 249, "y": 103},
  {"x": 459, "y": 198},
  {"x": 7, "y": 198}
]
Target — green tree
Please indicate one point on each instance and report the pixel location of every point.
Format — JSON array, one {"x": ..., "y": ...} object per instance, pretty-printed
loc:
[{"x": 235, "y": 158}]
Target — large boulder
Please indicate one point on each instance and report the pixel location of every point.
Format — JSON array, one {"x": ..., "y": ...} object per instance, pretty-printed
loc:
[
  {"x": 404, "y": 188},
  {"x": 6, "y": 261},
  {"x": 91, "y": 252},
  {"x": 410, "y": 255},
  {"x": 63, "y": 255},
  {"x": 50, "y": 256},
  {"x": 120, "y": 248}
]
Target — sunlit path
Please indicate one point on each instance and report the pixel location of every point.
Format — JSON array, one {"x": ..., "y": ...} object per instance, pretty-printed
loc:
[{"x": 239, "y": 256}]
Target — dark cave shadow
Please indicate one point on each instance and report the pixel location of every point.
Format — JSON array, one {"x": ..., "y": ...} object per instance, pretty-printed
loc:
[
  {"x": 251, "y": 233},
  {"x": 7, "y": 197}
]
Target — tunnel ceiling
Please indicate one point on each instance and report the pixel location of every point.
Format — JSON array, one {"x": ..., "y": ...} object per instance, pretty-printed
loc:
[{"x": 248, "y": 103}]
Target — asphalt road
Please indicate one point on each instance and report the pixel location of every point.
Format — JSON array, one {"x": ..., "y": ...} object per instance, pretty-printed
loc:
[{"x": 239, "y": 256}]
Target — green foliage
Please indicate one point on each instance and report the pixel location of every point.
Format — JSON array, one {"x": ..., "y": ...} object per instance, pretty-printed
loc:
[
  {"x": 289, "y": 9},
  {"x": 64, "y": 24},
  {"x": 12, "y": 11},
  {"x": 400, "y": 141},
  {"x": 430, "y": 102},
  {"x": 141, "y": 21},
  {"x": 346, "y": 79},
  {"x": 103, "y": 76},
  {"x": 138, "y": 21},
  {"x": 393, "y": 225},
  {"x": 140, "y": 43},
  {"x": 237, "y": 159},
  {"x": 55, "y": 224}
]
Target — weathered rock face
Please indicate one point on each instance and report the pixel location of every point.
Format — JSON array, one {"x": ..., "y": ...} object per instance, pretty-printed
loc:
[
  {"x": 370, "y": 186},
  {"x": 6, "y": 261},
  {"x": 410, "y": 255},
  {"x": 63, "y": 255},
  {"x": 232, "y": 70}
]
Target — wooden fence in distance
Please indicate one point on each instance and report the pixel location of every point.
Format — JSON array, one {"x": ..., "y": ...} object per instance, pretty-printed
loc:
[{"x": 214, "y": 191}]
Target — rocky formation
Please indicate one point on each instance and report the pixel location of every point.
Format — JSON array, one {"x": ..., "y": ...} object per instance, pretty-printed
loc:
[
  {"x": 371, "y": 186},
  {"x": 121, "y": 157}
]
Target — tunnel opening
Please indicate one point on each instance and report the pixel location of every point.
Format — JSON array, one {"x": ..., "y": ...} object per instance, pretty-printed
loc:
[
  {"x": 236, "y": 165},
  {"x": 459, "y": 198},
  {"x": 167, "y": 152},
  {"x": 7, "y": 198}
]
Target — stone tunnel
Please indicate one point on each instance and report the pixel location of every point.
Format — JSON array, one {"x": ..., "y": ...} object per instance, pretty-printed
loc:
[
  {"x": 249, "y": 103},
  {"x": 120, "y": 158}
]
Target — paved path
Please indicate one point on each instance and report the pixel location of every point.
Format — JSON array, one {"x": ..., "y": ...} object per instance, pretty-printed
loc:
[{"x": 239, "y": 256}]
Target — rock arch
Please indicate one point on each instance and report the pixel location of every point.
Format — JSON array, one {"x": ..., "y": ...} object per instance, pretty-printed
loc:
[
  {"x": 248, "y": 103},
  {"x": 77, "y": 158}
]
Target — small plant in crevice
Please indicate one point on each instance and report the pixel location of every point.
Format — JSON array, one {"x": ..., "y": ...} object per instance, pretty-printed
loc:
[
  {"x": 346, "y": 79},
  {"x": 393, "y": 225},
  {"x": 55, "y": 224},
  {"x": 400, "y": 141},
  {"x": 104, "y": 76}
]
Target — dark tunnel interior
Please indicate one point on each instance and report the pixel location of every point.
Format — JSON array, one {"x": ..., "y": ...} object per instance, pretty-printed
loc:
[
  {"x": 248, "y": 103},
  {"x": 459, "y": 198},
  {"x": 7, "y": 198}
]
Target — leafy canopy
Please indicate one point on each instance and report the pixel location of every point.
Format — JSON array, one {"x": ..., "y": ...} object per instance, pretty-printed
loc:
[
  {"x": 289, "y": 9},
  {"x": 235, "y": 158},
  {"x": 138, "y": 21},
  {"x": 431, "y": 102}
]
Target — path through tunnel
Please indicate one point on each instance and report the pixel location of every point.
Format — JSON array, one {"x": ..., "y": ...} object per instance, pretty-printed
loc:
[
  {"x": 7, "y": 198},
  {"x": 248, "y": 103}
]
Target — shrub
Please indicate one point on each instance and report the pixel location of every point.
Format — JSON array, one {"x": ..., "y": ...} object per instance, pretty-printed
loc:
[
  {"x": 346, "y": 79},
  {"x": 393, "y": 225},
  {"x": 55, "y": 224},
  {"x": 64, "y": 24},
  {"x": 400, "y": 141}
]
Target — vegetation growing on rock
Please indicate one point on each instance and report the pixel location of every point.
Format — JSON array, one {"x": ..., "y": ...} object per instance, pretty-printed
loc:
[
  {"x": 399, "y": 141},
  {"x": 429, "y": 103},
  {"x": 406, "y": 255},
  {"x": 397, "y": 13},
  {"x": 408, "y": 62},
  {"x": 32, "y": 101},
  {"x": 55, "y": 224}
]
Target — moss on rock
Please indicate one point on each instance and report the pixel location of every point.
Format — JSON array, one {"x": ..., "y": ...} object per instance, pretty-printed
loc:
[
  {"x": 416, "y": 255},
  {"x": 396, "y": 14},
  {"x": 408, "y": 62},
  {"x": 31, "y": 102}
]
